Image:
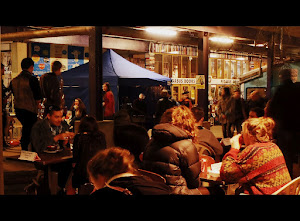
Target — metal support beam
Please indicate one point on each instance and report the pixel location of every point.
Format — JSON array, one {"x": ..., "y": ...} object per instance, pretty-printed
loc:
[
  {"x": 95, "y": 73},
  {"x": 203, "y": 53},
  {"x": 54, "y": 32}
]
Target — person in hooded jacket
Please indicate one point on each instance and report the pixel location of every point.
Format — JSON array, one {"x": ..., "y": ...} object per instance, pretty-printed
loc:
[{"x": 172, "y": 154}]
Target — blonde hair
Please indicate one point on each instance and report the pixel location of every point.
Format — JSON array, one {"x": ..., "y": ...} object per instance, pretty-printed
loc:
[
  {"x": 110, "y": 162},
  {"x": 182, "y": 117},
  {"x": 260, "y": 128}
]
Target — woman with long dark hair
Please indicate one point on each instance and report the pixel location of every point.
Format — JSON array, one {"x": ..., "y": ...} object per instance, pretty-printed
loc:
[
  {"x": 78, "y": 110},
  {"x": 87, "y": 142}
]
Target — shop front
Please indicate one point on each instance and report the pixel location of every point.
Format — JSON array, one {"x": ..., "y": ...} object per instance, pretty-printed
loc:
[
  {"x": 180, "y": 63},
  {"x": 230, "y": 70}
]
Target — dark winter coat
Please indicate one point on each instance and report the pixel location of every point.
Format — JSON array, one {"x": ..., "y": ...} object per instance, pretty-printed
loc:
[
  {"x": 85, "y": 146},
  {"x": 172, "y": 154},
  {"x": 137, "y": 186}
]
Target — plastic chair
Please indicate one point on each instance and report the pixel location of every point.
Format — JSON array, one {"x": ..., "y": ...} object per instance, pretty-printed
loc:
[{"x": 291, "y": 188}]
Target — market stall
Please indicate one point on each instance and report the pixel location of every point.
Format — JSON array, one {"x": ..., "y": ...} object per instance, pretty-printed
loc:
[{"x": 117, "y": 71}]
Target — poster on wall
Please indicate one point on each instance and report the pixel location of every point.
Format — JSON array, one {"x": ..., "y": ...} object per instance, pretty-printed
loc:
[
  {"x": 75, "y": 56},
  {"x": 200, "y": 81},
  {"x": 6, "y": 61},
  {"x": 41, "y": 57},
  {"x": 44, "y": 55},
  {"x": 59, "y": 53}
]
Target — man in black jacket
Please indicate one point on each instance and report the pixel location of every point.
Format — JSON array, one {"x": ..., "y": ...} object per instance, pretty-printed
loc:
[
  {"x": 52, "y": 87},
  {"x": 163, "y": 104},
  {"x": 27, "y": 96},
  {"x": 50, "y": 131},
  {"x": 284, "y": 109}
]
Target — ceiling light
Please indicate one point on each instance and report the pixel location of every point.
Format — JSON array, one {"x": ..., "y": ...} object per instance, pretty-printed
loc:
[
  {"x": 224, "y": 40},
  {"x": 257, "y": 45},
  {"x": 161, "y": 31}
]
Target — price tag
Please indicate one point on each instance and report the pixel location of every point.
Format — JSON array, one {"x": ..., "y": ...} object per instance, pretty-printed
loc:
[{"x": 29, "y": 156}]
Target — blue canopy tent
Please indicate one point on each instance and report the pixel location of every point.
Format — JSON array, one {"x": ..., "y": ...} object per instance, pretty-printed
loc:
[{"x": 117, "y": 71}]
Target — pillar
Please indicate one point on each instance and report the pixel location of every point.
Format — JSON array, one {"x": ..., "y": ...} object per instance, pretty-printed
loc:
[
  {"x": 203, "y": 53},
  {"x": 95, "y": 73}
]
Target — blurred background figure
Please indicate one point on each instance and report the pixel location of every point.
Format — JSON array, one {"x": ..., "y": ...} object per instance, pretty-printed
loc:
[
  {"x": 52, "y": 87},
  {"x": 284, "y": 109},
  {"x": 108, "y": 102},
  {"x": 163, "y": 104},
  {"x": 240, "y": 114},
  {"x": 186, "y": 101},
  {"x": 78, "y": 111},
  {"x": 140, "y": 104},
  {"x": 255, "y": 100},
  {"x": 256, "y": 112},
  {"x": 225, "y": 111}
]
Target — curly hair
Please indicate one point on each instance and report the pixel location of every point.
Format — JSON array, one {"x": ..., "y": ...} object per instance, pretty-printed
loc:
[
  {"x": 182, "y": 117},
  {"x": 260, "y": 128}
]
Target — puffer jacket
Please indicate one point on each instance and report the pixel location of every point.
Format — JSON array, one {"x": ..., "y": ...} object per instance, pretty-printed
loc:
[{"x": 172, "y": 154}]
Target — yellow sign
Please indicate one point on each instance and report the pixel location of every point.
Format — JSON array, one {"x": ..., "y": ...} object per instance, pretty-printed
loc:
[{"x": 200, "y": 81}]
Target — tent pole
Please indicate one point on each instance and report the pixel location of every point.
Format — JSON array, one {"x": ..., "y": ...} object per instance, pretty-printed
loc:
[{"x": 95, "y": 73}]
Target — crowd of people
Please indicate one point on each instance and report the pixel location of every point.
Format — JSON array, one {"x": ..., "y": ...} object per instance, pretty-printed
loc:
[{"x": 260, "y": 159}]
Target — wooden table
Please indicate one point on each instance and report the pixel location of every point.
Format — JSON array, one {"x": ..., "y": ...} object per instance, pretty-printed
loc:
[
  {"x": 48, "y": 159},
  {"x": 53, "y": 158}
]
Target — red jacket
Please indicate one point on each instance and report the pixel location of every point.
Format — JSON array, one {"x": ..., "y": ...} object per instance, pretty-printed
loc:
[{"x": 109, "y": 104}]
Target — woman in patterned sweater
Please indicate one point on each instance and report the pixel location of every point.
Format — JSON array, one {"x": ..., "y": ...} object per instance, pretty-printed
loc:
[{"x": 260, "y": 168}]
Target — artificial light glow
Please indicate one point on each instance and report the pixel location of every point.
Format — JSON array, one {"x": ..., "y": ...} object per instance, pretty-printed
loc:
[
  {"x": 257, "y": 45},
  {"x": 161, "y": 31},
  {"x": 221, "y": 39}
]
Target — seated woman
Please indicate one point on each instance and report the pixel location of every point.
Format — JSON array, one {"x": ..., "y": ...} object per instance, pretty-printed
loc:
[
  {"x": 260, "y": 168},
  {"x": 113, "y": 173},
  {"x": 172, "y": 154},
  {"x": 78, "y": 111},
  {"x": 87, "y": 142}
]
